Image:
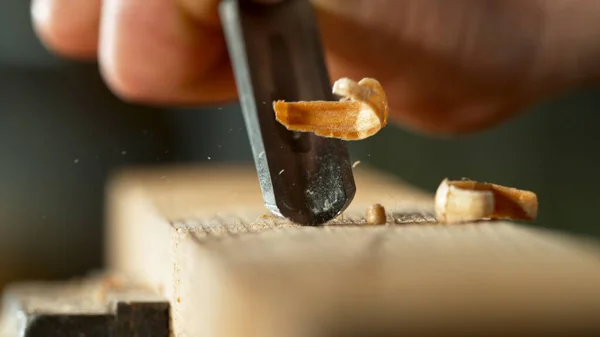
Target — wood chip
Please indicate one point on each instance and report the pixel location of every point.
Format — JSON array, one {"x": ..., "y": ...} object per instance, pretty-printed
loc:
[
  {"x": 468, "y": 200},
  {"x": 376, "y": 215},
  {"x": 361, "y": 112}
]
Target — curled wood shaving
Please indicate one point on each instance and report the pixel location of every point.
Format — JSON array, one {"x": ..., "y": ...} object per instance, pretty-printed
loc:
[
  {"x": 468, "y": 200},
  {"x": 361, "y": 112}
]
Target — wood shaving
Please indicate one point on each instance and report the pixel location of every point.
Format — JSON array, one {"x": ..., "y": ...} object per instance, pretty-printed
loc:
[
  {"x": 361, "y": 113},
  {"x": 468, "y": 200}
]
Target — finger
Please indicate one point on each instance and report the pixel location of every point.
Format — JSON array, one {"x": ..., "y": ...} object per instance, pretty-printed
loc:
[
  {"x": 203, "y": 11},
  {"x": 68, "y": 27},
  {"x": 433, "y": 58},
  {"x": 157, "y": 51}
]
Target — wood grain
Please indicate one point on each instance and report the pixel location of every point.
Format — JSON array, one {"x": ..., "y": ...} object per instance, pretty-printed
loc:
[{"x": 201, "y": 237}]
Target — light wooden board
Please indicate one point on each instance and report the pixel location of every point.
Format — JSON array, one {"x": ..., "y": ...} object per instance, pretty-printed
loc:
[{"x": 201, "y": 237}]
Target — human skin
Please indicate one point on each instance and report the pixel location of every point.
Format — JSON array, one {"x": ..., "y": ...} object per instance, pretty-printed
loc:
[{"x": 448, "y": 67}]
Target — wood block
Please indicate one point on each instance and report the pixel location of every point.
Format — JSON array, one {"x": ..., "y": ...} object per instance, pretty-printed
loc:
[{"x": 201, "y": 237}]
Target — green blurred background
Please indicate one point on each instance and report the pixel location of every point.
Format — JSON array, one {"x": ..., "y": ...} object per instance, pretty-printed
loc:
[{"x": 62, "y": 132}]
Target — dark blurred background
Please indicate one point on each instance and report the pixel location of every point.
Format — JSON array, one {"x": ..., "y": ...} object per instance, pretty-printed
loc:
[{"x": 62, "y": 132}]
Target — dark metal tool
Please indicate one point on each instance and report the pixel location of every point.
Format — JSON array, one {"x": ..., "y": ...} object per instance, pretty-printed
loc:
[
  {"x": 83, "y": 307},
  {"x": 276, "y": 53}
]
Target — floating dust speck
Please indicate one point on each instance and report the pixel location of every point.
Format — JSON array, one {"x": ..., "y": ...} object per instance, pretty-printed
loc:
[
  {"x": 356, "y": 163},
  {"x": 76, "y": 160},
  {"x": 123, "y": 153},
  {"x": 280, "y": 172}
]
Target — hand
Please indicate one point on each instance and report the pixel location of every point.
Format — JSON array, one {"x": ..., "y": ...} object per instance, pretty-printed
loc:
[{"x": 447, "y": 66}]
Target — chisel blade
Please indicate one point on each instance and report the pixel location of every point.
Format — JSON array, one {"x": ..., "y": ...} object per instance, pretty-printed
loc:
[{"x": 276, "y": 54}]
